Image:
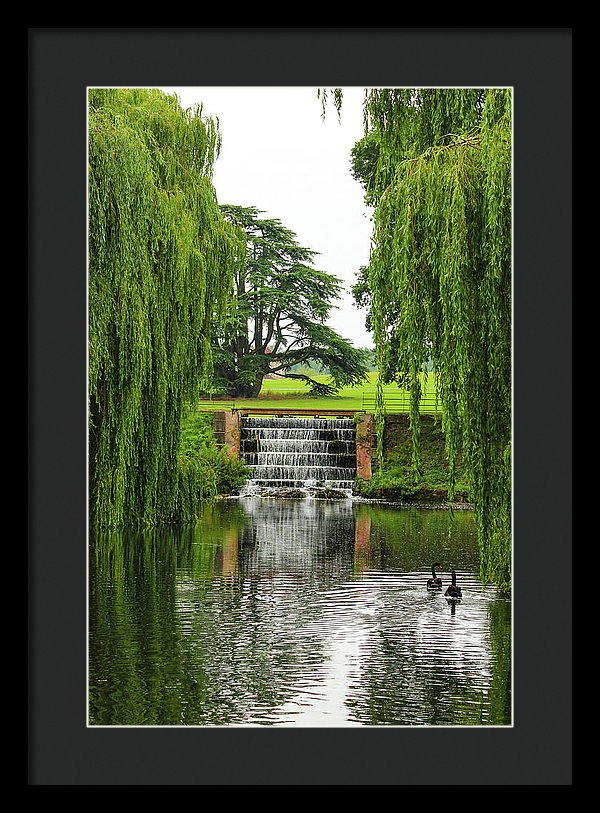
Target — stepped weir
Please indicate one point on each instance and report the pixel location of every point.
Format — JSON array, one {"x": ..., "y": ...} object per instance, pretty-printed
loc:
[
  {"x": 291, "y": 452},
  {"x": 299, "y": 452}
]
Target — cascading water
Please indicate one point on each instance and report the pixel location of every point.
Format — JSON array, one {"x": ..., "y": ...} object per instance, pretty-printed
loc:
[{"x": 299, "y": 453}]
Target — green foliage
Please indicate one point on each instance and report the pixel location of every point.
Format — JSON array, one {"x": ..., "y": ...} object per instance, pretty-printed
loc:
[
  {"x": 364, "y": 162},
  {"x": 277, "y": 320},
  {"x": 395, "y": 476},
  {"x": 361, "y": 293},
  {"x": 440, "y": 279},
  {"x": 204, "y": 470},
  {"x": 161, "y": 265},
  {"x": 197, "y": 442},
  {"x": 196, "y": 432},
  {"x": 336, "y": 95},
  {"x": 204, "y": 474}
]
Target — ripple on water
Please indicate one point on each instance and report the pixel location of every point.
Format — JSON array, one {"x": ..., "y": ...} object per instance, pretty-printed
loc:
[{"x": 300, "y": 614}]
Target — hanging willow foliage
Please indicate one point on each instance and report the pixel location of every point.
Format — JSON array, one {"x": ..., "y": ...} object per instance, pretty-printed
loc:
[
  {"x": 161, "y": 264},
  {"x": 440, "y": 280}
]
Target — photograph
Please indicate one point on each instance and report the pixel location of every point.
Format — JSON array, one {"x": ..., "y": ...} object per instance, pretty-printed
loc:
[{"x": 300, "y": 392}]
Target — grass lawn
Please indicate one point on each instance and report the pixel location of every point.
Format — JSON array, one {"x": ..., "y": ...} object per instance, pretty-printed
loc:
[{"x": 285, "y": 393}]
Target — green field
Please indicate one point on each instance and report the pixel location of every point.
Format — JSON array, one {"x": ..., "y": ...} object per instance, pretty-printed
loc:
[{"x": 283, "y": 393}]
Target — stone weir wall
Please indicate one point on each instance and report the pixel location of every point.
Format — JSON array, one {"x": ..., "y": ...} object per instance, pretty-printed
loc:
[{"x": 227, "y": 426}]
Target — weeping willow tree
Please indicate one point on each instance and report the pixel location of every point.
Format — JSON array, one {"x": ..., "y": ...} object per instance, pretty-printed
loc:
[
  {"x": 438, "y": 169},
  {"x": 161, "y": 264}
]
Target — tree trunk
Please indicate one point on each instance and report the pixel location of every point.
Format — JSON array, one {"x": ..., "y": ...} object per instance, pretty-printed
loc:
[{"x": 247, "y": 390}]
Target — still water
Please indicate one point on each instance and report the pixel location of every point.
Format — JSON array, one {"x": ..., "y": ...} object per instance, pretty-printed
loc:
[{"x": 296, "y": 612}]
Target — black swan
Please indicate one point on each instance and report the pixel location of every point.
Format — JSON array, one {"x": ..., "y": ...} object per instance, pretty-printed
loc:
[
  {"x": 453, "y": 590},
  {"x": 435, "y": 583}
]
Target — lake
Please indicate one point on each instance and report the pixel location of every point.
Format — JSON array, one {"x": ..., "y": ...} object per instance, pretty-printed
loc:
[{"x": 296, "y": 612}]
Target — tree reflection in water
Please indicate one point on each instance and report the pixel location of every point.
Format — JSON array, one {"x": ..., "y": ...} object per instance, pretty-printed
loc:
[{"x": 295, "y": 612}]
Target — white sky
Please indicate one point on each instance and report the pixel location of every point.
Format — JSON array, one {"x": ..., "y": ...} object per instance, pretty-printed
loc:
[{"x": 279, "y": 155}]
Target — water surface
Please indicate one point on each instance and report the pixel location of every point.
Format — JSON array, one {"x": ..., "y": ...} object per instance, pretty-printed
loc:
[{"x": 304, "y": 612}]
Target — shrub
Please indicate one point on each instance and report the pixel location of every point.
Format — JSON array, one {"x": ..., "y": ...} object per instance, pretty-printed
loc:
[{"x": 204, "y": 469}]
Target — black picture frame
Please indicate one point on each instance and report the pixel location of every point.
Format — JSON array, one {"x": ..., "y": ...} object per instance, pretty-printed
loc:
[{"x": 537, "y": 63}]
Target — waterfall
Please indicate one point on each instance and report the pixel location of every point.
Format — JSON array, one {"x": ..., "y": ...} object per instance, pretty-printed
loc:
[{"x": 311, "y": 454}]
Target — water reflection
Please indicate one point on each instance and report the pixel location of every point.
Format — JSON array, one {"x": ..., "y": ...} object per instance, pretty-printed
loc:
[{"x": 296, "y": 612}]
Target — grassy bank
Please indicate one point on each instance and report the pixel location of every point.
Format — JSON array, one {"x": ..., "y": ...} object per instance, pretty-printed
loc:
[
  {"x": 287, "y": 393},
  {"x": 396, "y": 480}
]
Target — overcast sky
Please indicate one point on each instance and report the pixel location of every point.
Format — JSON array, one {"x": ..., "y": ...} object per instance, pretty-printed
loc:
[{"x": 279, "y": 155}]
